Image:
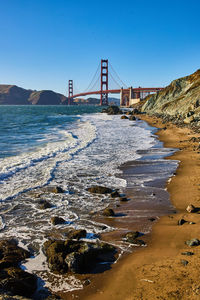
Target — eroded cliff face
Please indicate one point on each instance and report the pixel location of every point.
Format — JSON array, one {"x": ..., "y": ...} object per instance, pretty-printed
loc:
[
  {"x": 14, "y": 95},
  {"x": 181, "y": 99}
]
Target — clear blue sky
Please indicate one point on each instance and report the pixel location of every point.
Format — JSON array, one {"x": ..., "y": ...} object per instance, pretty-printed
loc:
[{"x": 43, "y": 43}]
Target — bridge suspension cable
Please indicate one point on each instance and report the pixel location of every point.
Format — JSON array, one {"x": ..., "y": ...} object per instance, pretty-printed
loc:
[
  {"x": 122, "y": 84},
  {"x": 93, "y": 78}
]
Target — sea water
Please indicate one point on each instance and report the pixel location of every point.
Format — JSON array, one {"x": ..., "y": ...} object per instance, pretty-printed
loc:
[{"x": 73, "y": 147}]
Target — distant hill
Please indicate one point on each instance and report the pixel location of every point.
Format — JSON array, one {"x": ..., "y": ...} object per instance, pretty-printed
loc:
[{"x": 14, "y": 95}]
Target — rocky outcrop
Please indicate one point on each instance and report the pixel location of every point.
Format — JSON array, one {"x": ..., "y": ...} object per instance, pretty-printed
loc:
[
  {"x": 14, "y": 95},
  {"x": 12, "y": 278},
  {"x": 97, "y": 189},
  {"x": 112, "y": 110},
  {"x": 180, "y": 100},
  {"x": 77, "y": 256}
]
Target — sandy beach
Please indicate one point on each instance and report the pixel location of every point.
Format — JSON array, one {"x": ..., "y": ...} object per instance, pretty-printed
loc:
[{"x": 161, "y": 271}]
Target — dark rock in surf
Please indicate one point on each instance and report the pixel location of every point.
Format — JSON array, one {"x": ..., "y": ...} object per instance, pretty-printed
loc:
[
  {"x": 124, "y": 117},
  {"x": 77, "y": 256},
  {"x": 112, "y": 110},
  {"x": 115, "y": 194},
  {"x": 97, "y": 189},
  {"x": 18, "y": 282},
  {"x": 43, "y": 204},
  {"x": 132, "y": 118},
  {"x": 123, "y": 199},
  {"x": 57, "y": 220},
  {"x": 131, "y": 236},
  {"x": 13, "y": 279},
  {"x": 108, "y": 212},
  {"x": 77, "y": 234},
  {"x": 54, "y": 189},
  {"x": 10, "y": 254}
]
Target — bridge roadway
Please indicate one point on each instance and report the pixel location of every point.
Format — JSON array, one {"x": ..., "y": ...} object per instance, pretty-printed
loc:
[{"x": 136, "y": 90}]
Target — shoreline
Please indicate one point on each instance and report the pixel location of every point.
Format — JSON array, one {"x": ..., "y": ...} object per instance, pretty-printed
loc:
[{"x": 134, "y": 277}]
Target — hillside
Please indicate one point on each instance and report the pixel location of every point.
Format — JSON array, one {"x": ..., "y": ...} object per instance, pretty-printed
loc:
[
  {"x": 14, "y": 95},
  {"x": 180, "y": 100}
]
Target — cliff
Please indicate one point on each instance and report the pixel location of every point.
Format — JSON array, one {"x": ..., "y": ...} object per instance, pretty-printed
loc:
[
  {"x": 180, "y": 100},
  {"x": 14, "y": 95}
]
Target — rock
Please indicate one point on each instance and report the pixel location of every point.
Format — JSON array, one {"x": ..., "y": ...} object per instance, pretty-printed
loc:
[
  {"x": 57, "y": 220},
  {"x": 181, "y": 222},
  {"x": 76, "y": 256},
  {"x": 13, "y": 279},
  {"x": 184, "y": 262},
  {"x": 77, "y": 234},
  {"x": 188, "y": 253},
  {"x": 132, "y": 118},
  {"x": 54, "y": 189},
  {"x": 135, "y": 111},
  {"x": 188, "y": 120},
  {"x": 131, "y": 236},
  {"x": 191, "y": 208},
  {"x": 124, "y": 117},
  {"x": 193, "y": 242},
  {"x": 123, "y": 199},
  {"x": 112, "y": 110},
  {"x": 178, "y": 102},
  {"x": 10, "y": 254},
  {"x": 108, "y": 212},
  {"x": 115, "y": 194},
  {"x": 152, "y": 219},
  {"x": 99, "y": 190},
  {"x": 43, "y": 204},
  {"x": 18, "y": 282}
]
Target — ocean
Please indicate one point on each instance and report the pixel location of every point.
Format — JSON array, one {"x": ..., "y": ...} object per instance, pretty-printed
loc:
[{"x": 73, "y": 147}]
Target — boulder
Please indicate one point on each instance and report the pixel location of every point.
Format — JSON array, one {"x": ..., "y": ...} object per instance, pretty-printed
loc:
[
  {"x": 44, "y": 204},
  {"x": 188, "y": 120},
  {"x": 131, "y": 236},
  {"x": 191, "y": 208},
  {"x": 18, "y": 282},
  {"x": 108, "y": 212},
  {"x": 97, "y": 189},
  {"x": 77, "y": 234},
  {"x": 10, "y": 254},
  {"x": 123, "y": 199},
  {"x": 132, "y": 118},
  {"x": 124, "y": 117},
  {"x": 193, "y": 242},
  {"x": 13, "y": 279},
  {"x": 54, "y": 189},
  {"x": 57, "y": 220},
  {"x": 115, "y": 194},
  {"x": 77, "y": 256},
  {"x": 181, "y": 222},
  {"x": 112, "y": 110}
]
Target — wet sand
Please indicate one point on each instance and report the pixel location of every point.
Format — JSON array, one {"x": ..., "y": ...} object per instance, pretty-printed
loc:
[{"x": 158, "y": 271}]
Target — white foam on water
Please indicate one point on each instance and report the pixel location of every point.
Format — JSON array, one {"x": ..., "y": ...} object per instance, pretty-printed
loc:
[{"x": 87, "y": 155}]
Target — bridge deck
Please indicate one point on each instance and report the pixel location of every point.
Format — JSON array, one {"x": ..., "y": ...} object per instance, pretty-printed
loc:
[{"x": 147, "y": 90}]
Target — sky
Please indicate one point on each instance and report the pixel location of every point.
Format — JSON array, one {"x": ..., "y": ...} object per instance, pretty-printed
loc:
[{"x": 44, "y": 43}]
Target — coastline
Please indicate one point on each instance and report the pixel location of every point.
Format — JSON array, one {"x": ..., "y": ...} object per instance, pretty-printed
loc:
[{"x": 157, "y": 271}]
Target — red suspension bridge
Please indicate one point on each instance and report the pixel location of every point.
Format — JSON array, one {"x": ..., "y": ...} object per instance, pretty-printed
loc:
[{"x": 99, "y": 86}]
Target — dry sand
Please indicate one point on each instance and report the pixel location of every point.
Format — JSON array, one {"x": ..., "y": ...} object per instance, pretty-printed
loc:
[{"x": 158, "y": 271}]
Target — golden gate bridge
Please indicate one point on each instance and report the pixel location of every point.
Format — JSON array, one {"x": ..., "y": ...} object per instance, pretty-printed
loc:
[{"x": 105, "y": 74}]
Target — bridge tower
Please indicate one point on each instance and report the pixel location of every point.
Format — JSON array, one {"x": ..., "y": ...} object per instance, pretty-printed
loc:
[
  {"x": 104, "y": 82},
  {"x": 70, "y": 92}
]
